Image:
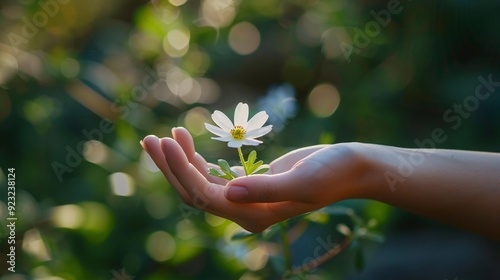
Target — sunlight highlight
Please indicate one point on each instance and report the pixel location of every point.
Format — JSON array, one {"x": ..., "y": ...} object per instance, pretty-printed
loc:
[
  {"x": 176, "y": 42},
  {"x": 122, "y": 184},
  {"x": 160, "y": 246},
  {"x": 244, "y": 38},
  {"x": 35, "y": 246},
  {"x": 195, "y": 119},
  {"x": 217, "y": 13},
  {"x": 324, "y": 100},
  {"x": 256, "y": 259},
  {"x": 68, "y": 216},
  {"x": 95, "y": 151}
]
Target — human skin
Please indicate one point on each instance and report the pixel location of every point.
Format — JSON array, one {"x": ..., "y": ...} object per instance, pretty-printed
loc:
[{"x": 461, "y": 188}]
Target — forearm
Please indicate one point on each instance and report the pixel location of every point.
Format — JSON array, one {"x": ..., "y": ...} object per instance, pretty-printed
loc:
[{"x": 457, "y": 187}]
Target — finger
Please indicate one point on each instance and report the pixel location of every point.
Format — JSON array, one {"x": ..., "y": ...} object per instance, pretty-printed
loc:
[
  {"x": 204, "y": 195},
  {"x": 152, "y": 146},
  {"x": 187, "y": 174},
  {"x": 185, "y": 140},
  {"x": 199, "y": 200},
  {"x": 293, "y": 185}
]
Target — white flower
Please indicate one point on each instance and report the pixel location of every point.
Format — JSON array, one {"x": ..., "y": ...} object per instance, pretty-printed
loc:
[{"x": 243, "y": 131}]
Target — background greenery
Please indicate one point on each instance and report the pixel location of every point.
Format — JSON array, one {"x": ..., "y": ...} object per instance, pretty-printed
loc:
[{"x": 67, "y": 65}]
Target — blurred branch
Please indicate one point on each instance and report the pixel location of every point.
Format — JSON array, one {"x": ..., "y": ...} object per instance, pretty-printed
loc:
[{"x": 314, "y": 263}]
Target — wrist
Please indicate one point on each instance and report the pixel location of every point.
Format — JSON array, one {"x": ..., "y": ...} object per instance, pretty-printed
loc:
[{"x": 370, "y": 166}]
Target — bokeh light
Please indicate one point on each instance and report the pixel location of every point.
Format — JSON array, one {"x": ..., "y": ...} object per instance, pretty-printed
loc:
[
  {"x": 179, "y": 39},
  {"x": 43, "y": 273},
  {"x": 195, "y": 120},
  {"x": 217, "y": 13},
  {"x": 176, "y": 42},
  {"x": 158, "y": 204},
  {"x": 214, "y": 220},
  {"x": 177, "y": 2},
  {"x": 166, "y": 13},
  {"x": 95, "y": 151},
  {"x": 210, "y": 90},
  {"x": 337, "y": 43},
  {"x": 148, "y": 163},
  {"x": 193, "y": 94},
  {"x": 40, "y": 111},
  {"x": 244, "y": 38},
  {"x": 196, "y": 60},
  {"x": 179, "y": 81},
  {"x": 160, "y": 246},
  {"x": 70, "y": 68},
  {"x": 68, "y": 216},
  {"x": 8, "y": 67},
  {"x": 323, "y": 100},
  {"x": 309, "y": 29},
  {"x": 35, "y": 245},
  {"x": 256, "y": 259},
  {"x": 122, "y": 184},
  {"x": 98, "y": 223},
  {"x": 185, "y": 229}
]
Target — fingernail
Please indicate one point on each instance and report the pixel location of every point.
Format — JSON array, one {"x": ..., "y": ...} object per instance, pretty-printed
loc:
[
  {"x": 236, "y": 193},
  {"x": 144, "y": 146}
]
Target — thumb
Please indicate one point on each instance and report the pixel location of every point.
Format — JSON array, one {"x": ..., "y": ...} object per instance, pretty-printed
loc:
[{"x": 288, "y": 186}]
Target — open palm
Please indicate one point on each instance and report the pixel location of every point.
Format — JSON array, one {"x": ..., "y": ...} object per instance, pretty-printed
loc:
[{"x": 286, "y": 192}]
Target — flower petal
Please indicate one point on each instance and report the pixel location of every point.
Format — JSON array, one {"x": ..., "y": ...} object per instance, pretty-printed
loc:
[
  {"x": 235, "y": 143},
  {"x": 251, "y": 142},
  {"x": 222, "y": 120},
  {"x": 223, "y": 138},
  {"x": 256, "y": 133},
  {"x": 216, "y": 130},
  {"x": 257, "y": 121},
  {"x": 241, "y": 114}
]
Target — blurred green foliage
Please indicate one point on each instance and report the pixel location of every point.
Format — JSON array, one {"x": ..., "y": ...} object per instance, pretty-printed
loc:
[{"x": 81, "y": 82}]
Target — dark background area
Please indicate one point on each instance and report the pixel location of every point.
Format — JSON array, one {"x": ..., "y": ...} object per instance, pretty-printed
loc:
[{"x": 82, "y": 82}]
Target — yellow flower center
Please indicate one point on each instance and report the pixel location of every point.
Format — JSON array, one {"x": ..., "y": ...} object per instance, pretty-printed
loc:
[{"x": 238, "y": 132}]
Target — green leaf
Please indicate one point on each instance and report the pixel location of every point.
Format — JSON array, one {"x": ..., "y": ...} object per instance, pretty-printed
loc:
[
  {"x": 254, "y": 166},
  {"x": 215, "y": 172},
  {"x": 335, "y": 210},
  {"x": 251, "y": 166},
  {"x": 373, "y": 237},
  {"x": 250, "y": 162},
  {"x": 252, "y": 157},
  {"x": 242, "y": 235},
  {"x": 224, "y": 166},
  {"x": 261, "y": 171},
  {"x": 227, "y": 173},
  {"x": 271, "y": 232}
]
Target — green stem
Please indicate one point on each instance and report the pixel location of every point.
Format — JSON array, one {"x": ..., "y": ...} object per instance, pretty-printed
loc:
[
  {"x": 242, "y": 159},
  {"x": 286, "y": 246}
]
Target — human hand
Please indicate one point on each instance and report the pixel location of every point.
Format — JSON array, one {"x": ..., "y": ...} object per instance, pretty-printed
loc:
[{"x": 298, "y": 182}]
